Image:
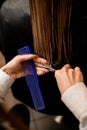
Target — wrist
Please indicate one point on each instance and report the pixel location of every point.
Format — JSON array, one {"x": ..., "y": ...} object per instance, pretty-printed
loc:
[{"x": 7, "y": 71}]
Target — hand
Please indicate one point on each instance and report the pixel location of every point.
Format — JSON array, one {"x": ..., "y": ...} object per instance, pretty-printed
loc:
[
  {"x": 66, "y": 77},
  {"x": 15, "y": 68}
]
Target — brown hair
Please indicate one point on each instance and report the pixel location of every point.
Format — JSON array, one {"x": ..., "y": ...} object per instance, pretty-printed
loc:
[{"x": 51, "y": 29}]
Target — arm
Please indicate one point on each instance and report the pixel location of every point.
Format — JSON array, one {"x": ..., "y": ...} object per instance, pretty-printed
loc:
[
  {"x": 73, "y": 92},
  {"x": 14, "y": 69}
]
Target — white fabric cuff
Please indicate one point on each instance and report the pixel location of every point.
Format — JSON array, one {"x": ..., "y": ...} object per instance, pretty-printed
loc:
[
  {"x": 5, "y": 83},
  {"x": 75, "y": 98}
]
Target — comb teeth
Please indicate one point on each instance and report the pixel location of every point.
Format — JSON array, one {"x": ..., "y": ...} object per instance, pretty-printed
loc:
[{"x": 32, "y": 80}]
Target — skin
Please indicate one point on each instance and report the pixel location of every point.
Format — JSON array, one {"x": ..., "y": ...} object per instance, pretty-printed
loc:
[
  {"x": 15, "y": 68},
  {"x": 66, "y": 77}
]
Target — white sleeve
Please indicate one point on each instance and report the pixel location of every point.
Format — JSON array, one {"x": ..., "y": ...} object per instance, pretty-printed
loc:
[
  {"x": 75, "y": 98},
  {"x": 83, "y": 122},
  {"x": 5, "y": 83}
]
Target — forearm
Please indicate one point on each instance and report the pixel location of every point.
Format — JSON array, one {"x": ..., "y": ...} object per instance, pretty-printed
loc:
[{"x": 75, "y": 98}]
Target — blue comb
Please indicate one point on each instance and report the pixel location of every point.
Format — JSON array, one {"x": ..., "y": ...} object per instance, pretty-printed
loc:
[{"x": 32, "y": 80}]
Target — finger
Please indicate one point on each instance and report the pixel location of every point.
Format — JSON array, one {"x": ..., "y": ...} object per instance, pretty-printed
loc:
[
  {"x": 77, "y": 68},
  {"x": 79, "y": 73},
  {"x": 57, "y": 73},
  {"x": 26, "y": 57},
  {"x": 42, "y": 69},
  {"x": 67, "y": 66},
  {"x": 40, "y": 61},
  {"x": 40, "y": 73}
]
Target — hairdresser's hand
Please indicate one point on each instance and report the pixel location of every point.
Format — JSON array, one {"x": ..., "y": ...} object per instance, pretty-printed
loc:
[
  {"x": 15, "y": 68},
  {"x": 66, "y": 77}
]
